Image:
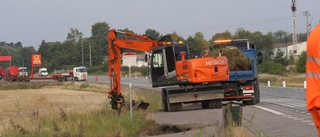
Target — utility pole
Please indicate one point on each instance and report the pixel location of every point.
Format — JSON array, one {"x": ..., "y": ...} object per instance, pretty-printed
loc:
[
  {"x": 307, "y": 14},
  {"x": 81, "y": 36},
  {"x": 90, "y": 53}
]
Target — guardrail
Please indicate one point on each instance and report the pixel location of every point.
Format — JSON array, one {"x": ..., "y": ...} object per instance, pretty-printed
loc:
[{"x": 290, "y": 92}]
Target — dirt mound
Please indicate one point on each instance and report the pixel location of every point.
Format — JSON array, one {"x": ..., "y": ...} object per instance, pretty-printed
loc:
[{"x": 236, "y": 59}]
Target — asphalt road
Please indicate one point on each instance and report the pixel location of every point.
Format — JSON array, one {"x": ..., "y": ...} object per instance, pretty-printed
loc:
[{"x": 273, "y": 116}]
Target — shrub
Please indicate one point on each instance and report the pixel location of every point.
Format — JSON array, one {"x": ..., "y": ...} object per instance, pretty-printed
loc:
[
  {"x": 271, "y": 67},
  {"x": 301, "y": 63}
]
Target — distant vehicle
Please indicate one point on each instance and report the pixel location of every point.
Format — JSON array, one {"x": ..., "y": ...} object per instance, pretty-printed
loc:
[
  {"x": 23, "y": 71},
  {"x": 1, "y": 72},
  {"x": 80, "y": 73},
  {"x": 43, "y": 72},
  {"x": 77, "y": 74},
  {"x": 12, "y": 74}
]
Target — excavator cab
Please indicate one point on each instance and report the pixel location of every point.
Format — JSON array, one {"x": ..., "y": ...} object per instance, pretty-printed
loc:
[{"x": 162, "y": 64}]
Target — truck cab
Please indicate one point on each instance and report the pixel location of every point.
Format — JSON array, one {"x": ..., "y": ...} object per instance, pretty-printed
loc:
[
  {"x": 23, "y": 72},
  {"x": 80, "y": 74}
]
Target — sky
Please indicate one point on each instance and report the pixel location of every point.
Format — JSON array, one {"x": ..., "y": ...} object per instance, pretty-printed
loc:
[{"x": 31, "y": 21}]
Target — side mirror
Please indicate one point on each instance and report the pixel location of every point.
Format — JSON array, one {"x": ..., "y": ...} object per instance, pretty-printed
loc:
[{"x": 259, "y": 57}]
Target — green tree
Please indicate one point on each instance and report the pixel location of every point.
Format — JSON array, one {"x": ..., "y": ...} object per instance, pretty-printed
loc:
[
  {"x": 302, "y": 37},
  {"x": 301, "y": 63},
  {"x": 264, "y": 42},
  {"x": 222, "y": 35},
  {"x": 74, "y": 35},
  {"x": 152, "y": 33},
  {"x": 176, "y": 37},
  {"x": 280, "y": 58},
  {"x": 291, "y": 60},
  {"x": 99, "y": 42},
  {"x": 281, "y": 36},
  {"x": 18, "y": 45},
  {"x": 197, "y": 44}
]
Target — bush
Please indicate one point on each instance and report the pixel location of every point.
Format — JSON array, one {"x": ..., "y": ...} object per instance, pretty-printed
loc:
[
  {"x": 271, "y": 67},
  {"x": 301, "y": 63}
]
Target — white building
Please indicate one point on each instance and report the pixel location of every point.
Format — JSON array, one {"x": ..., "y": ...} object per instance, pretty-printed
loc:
[{"x": 288, "y": 49}]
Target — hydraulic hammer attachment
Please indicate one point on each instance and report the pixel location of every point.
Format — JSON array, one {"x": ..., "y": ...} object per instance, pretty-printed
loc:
[{"x": 117, "y": 102}]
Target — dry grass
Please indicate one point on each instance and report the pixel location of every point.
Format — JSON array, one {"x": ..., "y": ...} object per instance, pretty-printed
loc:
[
  {"x": 64, "y": 121},
  {"x": 292, "y": 79}
]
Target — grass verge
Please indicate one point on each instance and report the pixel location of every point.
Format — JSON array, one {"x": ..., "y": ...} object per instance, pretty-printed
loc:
[
  {"x": 104, "y": 122},
  {"x": 61, "y": 122}
]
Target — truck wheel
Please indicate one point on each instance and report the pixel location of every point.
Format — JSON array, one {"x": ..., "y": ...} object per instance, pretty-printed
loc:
[
  {"x": 205, "y": 104},
  {"x": 76, "y": 79},
  {"x": 175, "y": 107},
  {"x": 217, "y": 103},
  {"x": 59, "y": 79},
  {"x": 257, "y": 89}
]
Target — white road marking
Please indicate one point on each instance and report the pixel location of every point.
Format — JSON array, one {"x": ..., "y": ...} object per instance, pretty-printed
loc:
[
  {"x": 269, "y": 110},
  {"x": 284, "y": 115},
  {"x": 292, "y": 117},
  {"x": 312, "y": 124}
]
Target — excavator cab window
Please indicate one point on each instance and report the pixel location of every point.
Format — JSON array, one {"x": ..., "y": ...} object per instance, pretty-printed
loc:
[
  {"x": 156, "y": 64},
  {"x": 157, "y": 60}
]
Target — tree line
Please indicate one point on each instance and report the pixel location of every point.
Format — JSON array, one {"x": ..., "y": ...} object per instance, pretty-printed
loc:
[{"x": 67, "y": 54}]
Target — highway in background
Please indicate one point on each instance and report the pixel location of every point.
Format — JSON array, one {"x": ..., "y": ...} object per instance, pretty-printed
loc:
[{"x": 273, "y": 116}]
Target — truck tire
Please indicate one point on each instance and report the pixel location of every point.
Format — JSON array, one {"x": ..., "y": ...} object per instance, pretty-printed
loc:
[
  {"x": 257, "y": 88},
  {"x": 175, "y": 107},
  {"x": 218, "y": 103},
  {"x": 211, "y": 104},
  {"x": 59, "y": 79},
  {"x": 205, "y": 104},
  {"x": 76, "y": 79}
]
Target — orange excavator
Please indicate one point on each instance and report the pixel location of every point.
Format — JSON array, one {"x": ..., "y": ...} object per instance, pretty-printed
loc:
[{"x": 185, "y": 80}]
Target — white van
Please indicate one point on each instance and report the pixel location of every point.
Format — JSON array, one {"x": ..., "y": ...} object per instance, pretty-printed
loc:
[{"x": 43, "y": 72}]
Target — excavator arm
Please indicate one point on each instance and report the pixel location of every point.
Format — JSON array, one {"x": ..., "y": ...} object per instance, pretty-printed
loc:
[{"x": 140, "y": 43}]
